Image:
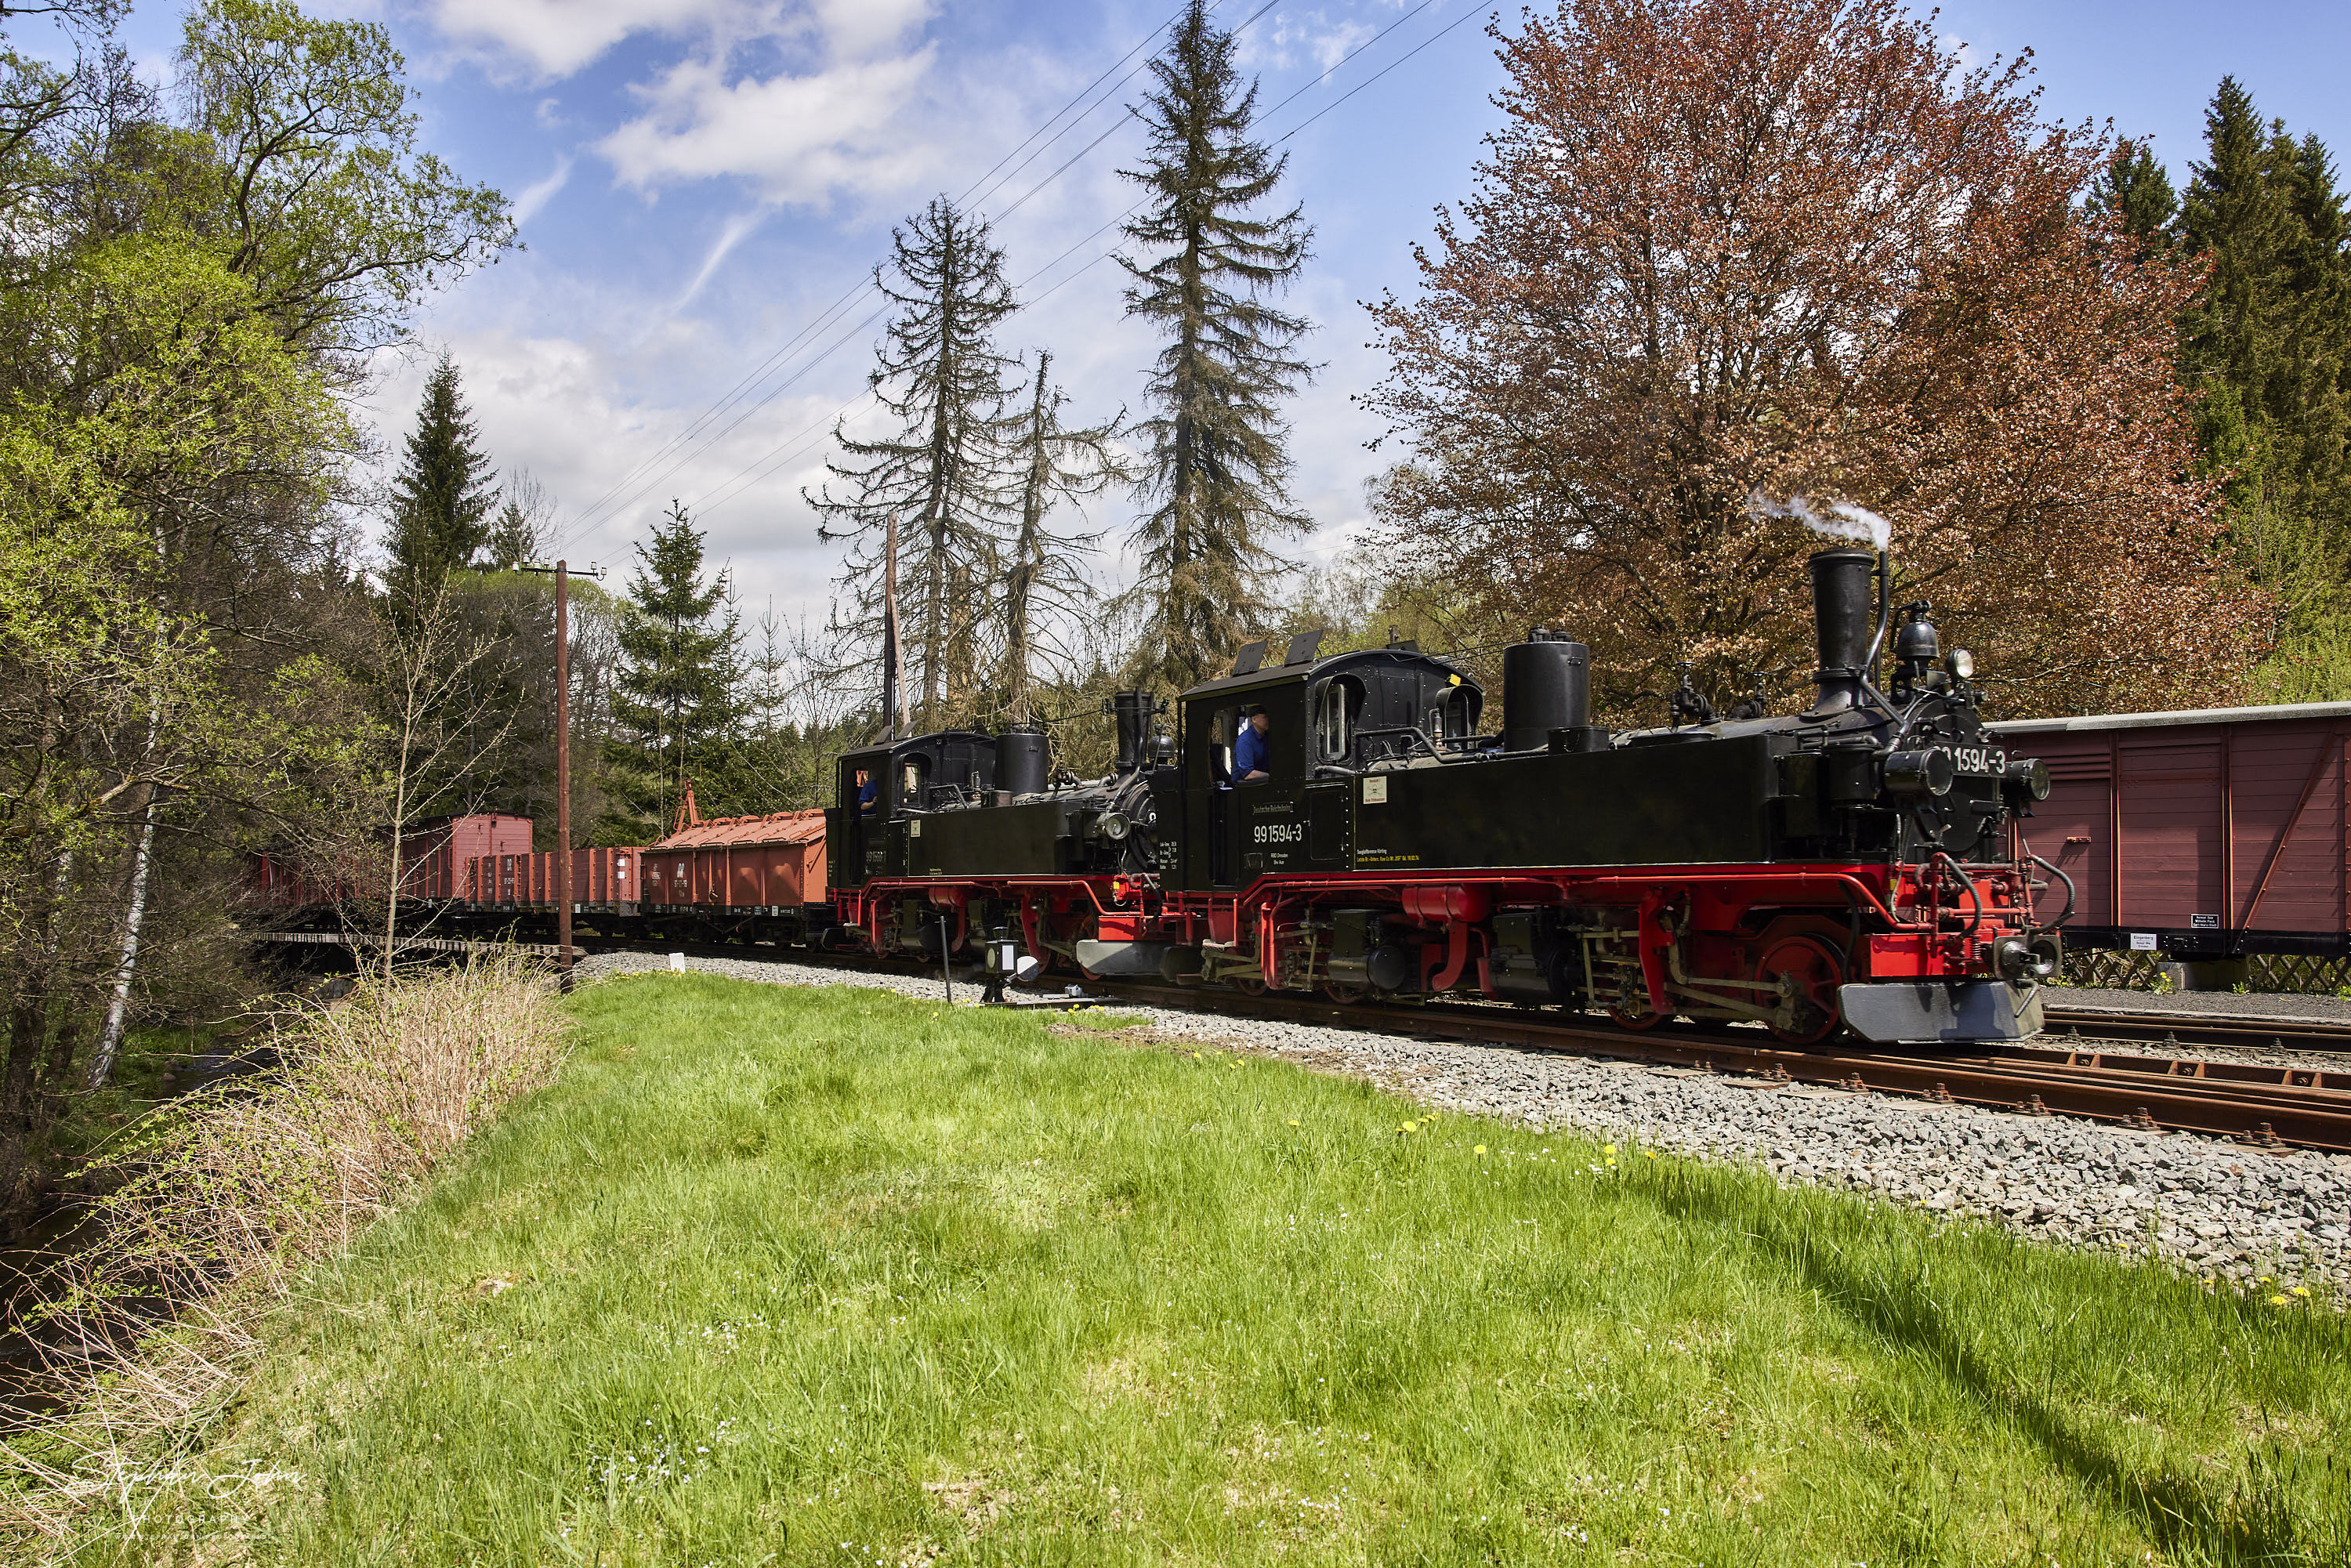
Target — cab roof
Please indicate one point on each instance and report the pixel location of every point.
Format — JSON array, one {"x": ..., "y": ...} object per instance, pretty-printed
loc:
[{"x": 1314, "y": 670}]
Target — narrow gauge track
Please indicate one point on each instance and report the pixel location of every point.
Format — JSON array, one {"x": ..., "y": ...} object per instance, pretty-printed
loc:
[
  {"x": 2272, "y": 1107},
  {"x": 2172, "y": 1029},
  {"x": 2268, "y": 1106}
]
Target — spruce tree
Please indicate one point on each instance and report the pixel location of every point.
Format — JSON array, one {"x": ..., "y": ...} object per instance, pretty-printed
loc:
[
  {"x": 922, "y": 508},
  {"x": 2269, "y": 347},
  {"x": 674, "y": 703},
  {"x": 2135, "y": 189},
  {"x": 441, "y": 496},
  {"x": 1218, "y": 468},
  {"x": 1042, "y": 581}
]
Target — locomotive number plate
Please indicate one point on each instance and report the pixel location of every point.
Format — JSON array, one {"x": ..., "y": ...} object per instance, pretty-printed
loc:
[
  {"x": 1979, "y": 759},
  {"x": 1280, "y": 833}
]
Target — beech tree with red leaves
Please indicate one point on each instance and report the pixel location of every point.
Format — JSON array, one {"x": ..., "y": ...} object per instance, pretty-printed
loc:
[{"x": 1727, "y": 252}]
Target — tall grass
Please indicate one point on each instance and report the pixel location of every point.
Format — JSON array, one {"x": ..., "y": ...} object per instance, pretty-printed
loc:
[
  {"x": 146, "y": 1324},
  {"x": 823, "y": 1277}
]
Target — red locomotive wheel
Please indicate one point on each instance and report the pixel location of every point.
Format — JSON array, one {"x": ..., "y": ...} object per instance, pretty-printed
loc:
[
  {"x": 1816, "y": 972},
  {"x": 1342, "y": 993},
  {"x": 1252, "y": 987}
]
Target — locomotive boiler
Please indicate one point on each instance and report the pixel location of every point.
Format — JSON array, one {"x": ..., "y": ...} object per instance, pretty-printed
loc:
[{"x": 1850, "y": 865}]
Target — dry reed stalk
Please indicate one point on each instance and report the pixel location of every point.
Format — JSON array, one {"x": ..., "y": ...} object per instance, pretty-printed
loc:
[{"x": 149, "y": 1327}]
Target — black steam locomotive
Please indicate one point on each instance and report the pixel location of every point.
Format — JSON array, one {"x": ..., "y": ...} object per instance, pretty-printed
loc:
[{"x": 1850, "y": 865}]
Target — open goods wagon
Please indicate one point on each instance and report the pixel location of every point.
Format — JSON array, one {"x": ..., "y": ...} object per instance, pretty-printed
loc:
[
  {"x": 764, "y": 869},
  {"x": 2206, "y": 835},
  {"x": 603, "y": 881}
]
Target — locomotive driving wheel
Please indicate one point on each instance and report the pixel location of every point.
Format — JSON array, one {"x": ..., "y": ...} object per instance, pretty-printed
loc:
[
  {"x": 1805, "y": 971},
  {"x": 1342, "y": 993}
]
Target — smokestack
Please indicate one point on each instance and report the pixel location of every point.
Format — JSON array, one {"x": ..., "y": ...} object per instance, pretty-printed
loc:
[
  {"x": 1840, "y": 624},
  {"x": 1133, "y": 709}
]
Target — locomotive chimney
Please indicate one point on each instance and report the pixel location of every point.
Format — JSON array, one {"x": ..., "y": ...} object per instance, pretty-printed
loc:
[
  {"x": 1133, "y": 709},
  {"x": 1841, "y": 621},
  {"x": 1546, "y": 685}
]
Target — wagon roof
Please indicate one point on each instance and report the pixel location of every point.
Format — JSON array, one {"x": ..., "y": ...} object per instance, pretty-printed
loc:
[
  {"x": 2277, "y": 712},
  {"x": 776, "y": 828}
]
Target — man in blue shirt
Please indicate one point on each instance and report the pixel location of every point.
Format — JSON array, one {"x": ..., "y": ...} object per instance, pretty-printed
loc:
[{"x": 1250, "y": 755}]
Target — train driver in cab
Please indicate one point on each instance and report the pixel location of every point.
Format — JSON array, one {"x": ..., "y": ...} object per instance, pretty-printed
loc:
[
  {"x": 869, "y": 792},
  {"x": 1252, "y": 752}
]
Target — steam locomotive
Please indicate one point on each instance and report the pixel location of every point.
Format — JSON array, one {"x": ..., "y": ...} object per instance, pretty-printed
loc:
[{"x": 1849, "y": 866}]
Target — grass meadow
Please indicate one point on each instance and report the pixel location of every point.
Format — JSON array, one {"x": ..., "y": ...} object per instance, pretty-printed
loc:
[{"x": 836, "y": 1277}]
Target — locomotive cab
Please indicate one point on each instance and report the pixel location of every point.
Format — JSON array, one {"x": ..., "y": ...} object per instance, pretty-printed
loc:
[
  {"x": 1332, "y": 719},
  {"x": 878, "y": 789}
]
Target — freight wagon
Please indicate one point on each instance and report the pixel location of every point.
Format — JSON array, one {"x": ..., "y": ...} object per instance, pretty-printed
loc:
[
  {"x": 2207, "y": 837},
  {"x": 752, "y": 877}
]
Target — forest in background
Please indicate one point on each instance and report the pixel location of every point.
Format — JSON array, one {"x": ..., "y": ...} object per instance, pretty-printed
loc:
[{"x": 2103, "y": 410}]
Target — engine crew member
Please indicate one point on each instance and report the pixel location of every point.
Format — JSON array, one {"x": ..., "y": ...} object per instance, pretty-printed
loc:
[{"x": 1251, "y": 755}]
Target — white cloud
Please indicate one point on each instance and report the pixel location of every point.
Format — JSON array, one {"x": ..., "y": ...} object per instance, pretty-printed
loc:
[
  {"x": 539, "y": 193},
  {"x": 556, "y": 38},
  {"x": 797, "y": 138},
  {"x": 737, "y": 228}
]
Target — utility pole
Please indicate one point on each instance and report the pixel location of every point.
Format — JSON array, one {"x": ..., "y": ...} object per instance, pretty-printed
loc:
[{"x": 562, "y": 570}]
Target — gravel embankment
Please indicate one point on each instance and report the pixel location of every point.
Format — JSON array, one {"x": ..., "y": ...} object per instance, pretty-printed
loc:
[{"x": 2209, "y": 1207}]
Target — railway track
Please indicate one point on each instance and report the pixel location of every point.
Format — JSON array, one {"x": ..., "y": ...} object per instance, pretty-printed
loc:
[
  {"x": 2275, "y": 1107},
  {"x": 2172, "y": 1029},
  {"x": 2272, "y": 1107}
]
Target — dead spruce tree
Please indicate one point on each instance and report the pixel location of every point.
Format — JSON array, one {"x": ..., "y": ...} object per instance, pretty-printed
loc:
[
  {"x": 1219, "y": 465},
  {"x": 920, "y": 508},
  {"x": 1043, "y": 585}
]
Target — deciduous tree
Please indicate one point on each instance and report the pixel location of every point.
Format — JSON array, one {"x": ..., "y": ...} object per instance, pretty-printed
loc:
[{"x": 1725, "y": 249}]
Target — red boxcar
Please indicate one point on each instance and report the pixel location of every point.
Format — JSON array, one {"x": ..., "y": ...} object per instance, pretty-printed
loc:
[
  {"x": 772, "y": 863},
  {"x": 2210, "y": 834},
  {"x": 438, "y": 854}
]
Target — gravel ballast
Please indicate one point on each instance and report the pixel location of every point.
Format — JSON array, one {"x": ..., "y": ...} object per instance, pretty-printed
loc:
[{"x": 2207, "y": 1207}]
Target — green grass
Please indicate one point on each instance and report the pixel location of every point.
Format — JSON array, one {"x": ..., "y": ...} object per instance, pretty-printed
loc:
[{"x": 834, "y": 1277}]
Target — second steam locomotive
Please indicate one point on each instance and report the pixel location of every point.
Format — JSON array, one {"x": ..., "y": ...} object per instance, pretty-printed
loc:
[{"x": 1850, "y": 865}]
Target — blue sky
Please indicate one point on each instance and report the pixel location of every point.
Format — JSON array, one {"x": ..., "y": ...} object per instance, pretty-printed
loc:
[{"x": 700, "y": 180}]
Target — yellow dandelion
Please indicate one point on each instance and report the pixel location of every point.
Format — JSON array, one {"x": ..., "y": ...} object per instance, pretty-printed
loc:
[
  {"x": 2302, "y": 1289},
  {"x": 1293, "y": 1120},
  {"x": 1608, "y": 1149},
  {"x": 2277, "y": 1300},
  {"x": 1651, "y": 1153},
  {"x": 1406, "y": 1127},
  {"x": 1481, "y": 1148}
]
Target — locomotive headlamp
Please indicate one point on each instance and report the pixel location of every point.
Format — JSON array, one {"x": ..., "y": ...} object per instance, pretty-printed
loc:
[
  {"x": 1919, "y": 774},
  {"x": 1961, "y": 663},
  {"x": 2027, "y": 778},
  {"x": 1113, "y": 825}
]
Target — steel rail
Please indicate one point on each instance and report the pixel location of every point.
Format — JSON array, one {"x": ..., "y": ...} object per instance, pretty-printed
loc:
[
  {"x": 2193, "y": 1029},
  {"x": 2295, "y": 1107}
]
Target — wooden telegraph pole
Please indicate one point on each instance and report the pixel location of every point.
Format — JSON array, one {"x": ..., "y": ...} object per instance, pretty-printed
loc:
[{"x": 563, "y": 901}]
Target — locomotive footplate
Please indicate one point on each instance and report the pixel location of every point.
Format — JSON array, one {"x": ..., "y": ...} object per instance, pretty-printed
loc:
[{"x": 1941, "y": 1012}]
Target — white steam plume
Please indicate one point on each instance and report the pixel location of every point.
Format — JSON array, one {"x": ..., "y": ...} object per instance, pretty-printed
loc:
[{"x": 1841, "y": 520}]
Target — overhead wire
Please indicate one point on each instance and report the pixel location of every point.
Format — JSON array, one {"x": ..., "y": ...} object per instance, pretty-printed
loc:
[
  {"x": 594, "y": 512},
  {"x": 796, "y": 444}
]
